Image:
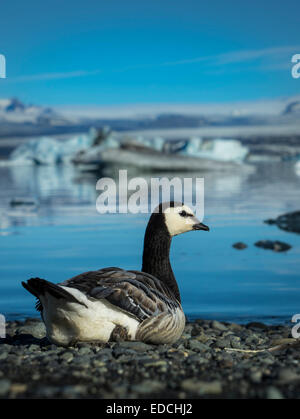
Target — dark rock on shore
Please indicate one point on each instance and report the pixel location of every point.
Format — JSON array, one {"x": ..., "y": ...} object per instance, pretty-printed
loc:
[
  {"x": 211, "y": 360},
  {"x": 276, "y": 246},
  {"x": 288, "y": 222},
  {"x": 239, "y": 246}
]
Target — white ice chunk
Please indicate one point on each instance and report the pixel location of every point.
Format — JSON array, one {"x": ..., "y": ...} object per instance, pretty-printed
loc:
[
  {"x": 158, "y": 143},
  {"x": 217, "y": 149},
  {"x": 41, "y": 151},
  {"x": 110, "y": 142},
  {"x": 297, "y": 168},
  {"x": 48, "y": 151},
  {"x": 194, "y": 146}
]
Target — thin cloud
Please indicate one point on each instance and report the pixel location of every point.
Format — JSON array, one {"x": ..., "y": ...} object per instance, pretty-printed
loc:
[
  {"x": 265, "y": 59},
  {"x": 251, "y": 55},
  {"x": 275, "y": 58},
  {"x": 269, "y": 54},
  {"x": 53, "y": 76}
]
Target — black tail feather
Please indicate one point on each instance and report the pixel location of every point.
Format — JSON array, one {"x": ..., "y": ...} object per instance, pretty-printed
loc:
[{"x": 39, "y": 286}]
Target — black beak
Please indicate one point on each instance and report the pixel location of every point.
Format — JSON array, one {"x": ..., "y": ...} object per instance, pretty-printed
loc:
[{"x": 200, "y": 226}]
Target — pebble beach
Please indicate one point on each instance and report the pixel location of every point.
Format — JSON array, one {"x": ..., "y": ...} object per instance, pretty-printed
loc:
[{"x": 211, "y": 360}]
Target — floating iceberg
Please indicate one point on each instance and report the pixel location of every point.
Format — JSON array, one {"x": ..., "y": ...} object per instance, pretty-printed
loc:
[
  {"x": 156, "y": 143},
  {"x": 92, "y": 148},
  {"x": 218, "y": 149},
  {"x": 175, "y": 146},
  {"x": 226, "y": 150},
  {"x": 41, "y": 151},
  {"x": 47, "y": 151},
  {"x": 160, "y": 154},
  {"x": 297, "y": 168}
]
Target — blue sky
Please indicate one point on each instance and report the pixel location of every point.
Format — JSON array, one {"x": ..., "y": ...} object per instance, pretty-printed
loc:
[{"x": 170, "y": 51}]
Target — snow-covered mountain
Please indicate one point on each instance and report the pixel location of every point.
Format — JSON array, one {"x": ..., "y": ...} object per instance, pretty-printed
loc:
[
  {"x": 264, "y": 108},
  {"x": 17, "y": 118},
  {"x": 14, "y": 111},
  {"x": 292, "y": 108}
]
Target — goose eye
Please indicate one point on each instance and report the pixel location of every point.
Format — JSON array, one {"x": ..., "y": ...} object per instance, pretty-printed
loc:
[{"x": 183, "y": 213}]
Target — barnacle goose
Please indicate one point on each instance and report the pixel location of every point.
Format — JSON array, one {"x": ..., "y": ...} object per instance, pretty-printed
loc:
[{"x": 114, "y": 304}]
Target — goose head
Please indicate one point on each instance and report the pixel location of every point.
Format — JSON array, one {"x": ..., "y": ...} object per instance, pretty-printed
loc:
[{"x": 179, "y": 218}]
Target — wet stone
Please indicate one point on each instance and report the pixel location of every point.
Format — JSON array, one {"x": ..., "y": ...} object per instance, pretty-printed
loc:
[
  {"x": 218, "y": 326},
  {"x": 4, "y": 386},
  {"x": 197, "y": 346},
  {"x": 276, "y": 246},
  {"x": 136, "y": 346},
  {"x": 67, "y": 356},
  {"x": 212, "y": 360},
  {"x": 84, "y": 351}
]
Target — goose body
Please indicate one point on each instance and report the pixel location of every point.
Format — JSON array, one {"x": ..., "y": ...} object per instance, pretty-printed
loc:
[{"x": 117, "y": 304}]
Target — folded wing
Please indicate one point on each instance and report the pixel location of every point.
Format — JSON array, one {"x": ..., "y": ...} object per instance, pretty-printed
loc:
[{"x": 134, "y": 292}]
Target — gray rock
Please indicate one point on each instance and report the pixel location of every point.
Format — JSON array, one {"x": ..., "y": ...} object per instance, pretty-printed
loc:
[
  {"x": 84, "y": 351},
  {"x": 136, "y": 346},
  {"x": 274, "y": 393},
  {"x": 14, "y": 359},
  {"x": 218, "y": 326},
  {"x": 197, "y": 346},
  {"x": 121, "y": 390},
  {"x": 33, "y": 347},
  {"x": 239, "y": 246},
  {"x": 3, "y": 355},
  {"x": 4, "y": 387},
  {"x": 288, "y": 222},
  {"x": 67, "y": 356},
  {"x": 149, "y": 387},
  {"x": 252, "y": 339},
  {"x": 157, "y": 363},
  {"x": 119, "y": 351},
  {"x": 83, "y": 361},
  {"x": 256, "y": 376},
  {"x": 288, "y": 375},
  {"x": 223, "y": 343},
  {"x": 197, "y": 359},
  {"x": 98, "y": 363},
  {"x": 47, "y": 391},
  {"x": 276, "y": 246},
  {"x": 257, "y": 325},
  {"x": 36, "y": 329},
  {"x": 74, "y": 390},
  {"x": 105, "y": 352},
  {"x": 235, "y": 327},
  {"x": 235, "y": 342},
  {"x": 201, "y": 387}
]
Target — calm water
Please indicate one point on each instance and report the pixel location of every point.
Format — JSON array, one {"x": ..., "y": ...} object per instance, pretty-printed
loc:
[{"x": 66, "y": 236}]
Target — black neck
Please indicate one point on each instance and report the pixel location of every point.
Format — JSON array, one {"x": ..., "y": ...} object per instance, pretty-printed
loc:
[{"x": 156, "y": 260}]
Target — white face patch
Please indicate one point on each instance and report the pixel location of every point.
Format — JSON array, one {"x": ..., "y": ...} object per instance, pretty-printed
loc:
[{"x": 179, "y": 219}]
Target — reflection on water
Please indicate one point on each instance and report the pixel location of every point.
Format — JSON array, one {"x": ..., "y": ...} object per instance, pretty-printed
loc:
[{"x": 64, "y": 235}]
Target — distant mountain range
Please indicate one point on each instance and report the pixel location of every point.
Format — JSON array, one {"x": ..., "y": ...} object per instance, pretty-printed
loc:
[{"x": 19, "y": 119}]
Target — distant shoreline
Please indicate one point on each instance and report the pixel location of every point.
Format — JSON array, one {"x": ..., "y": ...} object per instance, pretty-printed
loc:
[{"x": 227, "y": 131}]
